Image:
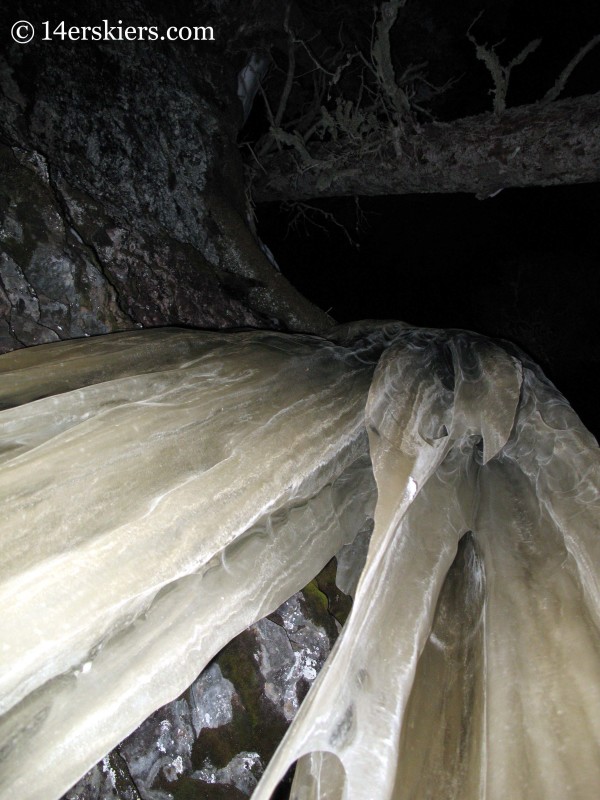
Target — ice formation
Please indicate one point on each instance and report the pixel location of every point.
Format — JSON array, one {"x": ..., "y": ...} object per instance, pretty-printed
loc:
[{"x": 162, "y": 490}]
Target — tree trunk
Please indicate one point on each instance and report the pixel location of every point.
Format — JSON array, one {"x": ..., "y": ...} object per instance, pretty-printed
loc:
[{"x": 534, "y": 145}]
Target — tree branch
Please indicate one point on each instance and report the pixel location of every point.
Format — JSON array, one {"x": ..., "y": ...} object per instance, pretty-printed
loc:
[
  {"x": 381, "y": 53},
  {"x": 534, "y": 145},
  {"x": 500, "y": 75},
  {"x": 562, "y": 79},
  {"x": 289, "y": 81}
]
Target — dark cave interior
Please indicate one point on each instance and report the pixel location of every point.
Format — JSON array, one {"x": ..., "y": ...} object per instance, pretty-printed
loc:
[{"x": 522, "y": 265}]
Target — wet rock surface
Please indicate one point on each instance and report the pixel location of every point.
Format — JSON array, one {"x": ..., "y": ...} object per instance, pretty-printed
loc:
[
  {"x": 215, "y": 740},
  {"x": 51, "y": 283}
]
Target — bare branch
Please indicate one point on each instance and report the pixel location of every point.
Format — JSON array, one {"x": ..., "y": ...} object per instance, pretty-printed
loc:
[
  {"x": 378, "y": 110},
  {"x": 526, "y": 51},
  {"x": 308, "y": 216},
  {"x": 289, "y": 81},
  {"x": 254, "y": 156},
  {"x": 500, "y": 75},
  {"x": 267, "y": 105},
  {"x": 564, "y": 76},
  {"x": 382, "y": 58},
  {"x": 318, "y": 64}
]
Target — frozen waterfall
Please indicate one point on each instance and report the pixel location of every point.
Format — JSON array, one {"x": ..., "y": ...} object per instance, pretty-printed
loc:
[{"x": 163, "y": 489}]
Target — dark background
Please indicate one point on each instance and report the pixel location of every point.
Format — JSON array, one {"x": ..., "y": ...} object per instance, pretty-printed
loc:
[{"x": 524, "y": 266}]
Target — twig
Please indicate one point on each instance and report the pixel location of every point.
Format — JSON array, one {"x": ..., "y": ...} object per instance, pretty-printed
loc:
[
  {"x": 305, "y": 213},
  {"x": 500, "y": 75},
  {"x": 564, "y": 76},
  {"x": 289, "y": 81}
]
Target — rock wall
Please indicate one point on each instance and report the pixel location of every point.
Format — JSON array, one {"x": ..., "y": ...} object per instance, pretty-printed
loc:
[{"x": 122, "y": 198}]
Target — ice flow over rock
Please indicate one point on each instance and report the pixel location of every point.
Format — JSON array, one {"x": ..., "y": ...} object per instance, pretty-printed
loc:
[{"x": 164, "y": 489}]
